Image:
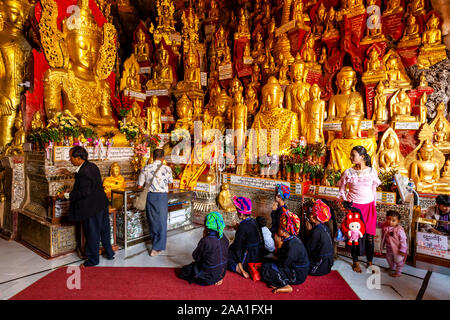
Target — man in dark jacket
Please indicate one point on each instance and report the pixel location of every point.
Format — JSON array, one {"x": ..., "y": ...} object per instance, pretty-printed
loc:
[{"x": 89, "y": 204}]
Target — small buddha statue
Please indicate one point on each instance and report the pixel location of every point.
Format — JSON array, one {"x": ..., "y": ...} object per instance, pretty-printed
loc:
[
  {"x": 275, "y": 116},
  {"x": 330, "y": 25},
  {"x": 423, "y": 108},
  {"x": 258, "y": 50},
  {"x": 297, "y": 93},
  {"x": 255, "y": 81},
  {"x": 16, "y": 148},
  {"x": 225, "y": 199},
  {"x": 411, "y": 35},
  {"x": 315, "y": 110},
  {"x": 374, "y": 33},
  {"x": 309, "y": 54},
  {"x": 351, "y": 8},
  {"x": 283, "y": 71},
  {"x": 389, "y": 156},
  {"x": 239, "y": 117},
  {"x": 425, "y": 170},
  {"x": 214, "y": 91},
  {"x": 323, "y": 56},
  {"x": 115, "y": 181},
  {"x": 36, "y": 121},
  {"x": 440, "y": 136},
  {"x": 191, "y": 79},
  {"x": 206, "y": 120},
  {"x": 416, "y": 7},
  {"x": 162, "y": 77},
  {"x": 347, "y": 99},
  {"x": 247, "y": 54},
  {"x": 423, "y": 80},
  {"x": 396, "y": 76},
  {"x": 214, "y": 11},
  {"x": 380, "y": 114},
  {"x": 446, "y": 172},
  {"x": 441, "y": 130},
  {"x": 299, "y": 15},
  {"x": 374, "y": 65},
  {"x": 319, "y": 25},
  {"x": 154, "y": 124},
  {"x": 251, "y": 101},
  {"x": 393, "y": 7},
  {"x": 184, "y": 113},
  {"x": 243, "y": 29},
  {"x": 223, "y": 103},
  {"x": 267, "y": 15},
  {"x": 221, "y": 42},
  {"x": 134, "y": 116},
  {"x": 130, "y": 77},
  {"x": 270, "y": 39},
  {"x": 432, "y": 50},
  {"x": 198, "y": 108},
  {"x": 141, "y": 48},
  {"x": 400, "y": 107}
]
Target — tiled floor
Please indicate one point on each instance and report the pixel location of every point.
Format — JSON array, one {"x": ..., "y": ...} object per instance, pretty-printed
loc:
[{"x": 20, "y": 267}]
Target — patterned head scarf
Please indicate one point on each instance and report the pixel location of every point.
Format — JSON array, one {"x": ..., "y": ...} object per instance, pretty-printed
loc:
[
  {"x": 321, "y": 211},
  {"x": 214, "y": 221},
  {"x": 289, "y": 222},
  {"x": 283, "y": 191},
  {"x": 243, "y": 205}
]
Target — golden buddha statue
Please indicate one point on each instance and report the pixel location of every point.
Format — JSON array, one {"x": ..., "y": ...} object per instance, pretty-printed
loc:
[
  {"x": 198, "y": 108},
  {"x": 416, "y": 7},
  {"x": 330, "y": 25},
  {"x": 423, "y": 108},
  {"x": 446, "y": 173},
  {"x": 247, "y": 55},
  {"x": 319, "y": 26},
  {"x": 323, "y": 56},
  {"x": 275, "y": 117},
  {"x": 214, "y": 91},
  {"x": 270, "y": 39},
  {"x": 351, "y": 8},
  {"x": 243, "y": 29},
  {"x": 223, "y": 103},
  {"x": 206, "y": 120},
  {"x": 347, "y": 99},
  {"x": 130, "y": 78},
  {"x": 225, "y": 201},
  {"x": 315, "y": 110},
  {"x": 297, "y": 93},
  {"x": 400, "y": 107},
  {"x": 309, "y": 54},
  {"x": 165, "y": 21},
  {"x": 389, "y": 156},
  {"x": 214, "y": 11},
  {"x": 432, "y": 50},
  {"x": 154, "y": 124},
  {"x": 162, "y": 74},
  {"x": 425, "y": 169},
  {"x": 78, "y": 74},
  {"x": 191, "y": 84},
  {"x": 411, "y": 36},
  {"x": 255, "y": 78},
  {"x": 15, "y": 53},
  {"x": 141, "y": 48},
  {"x": 423, "y": 81},
  {"x": 380, "y": 114},
  {"x": 134, "y": 117},
  {"x": 441, "y": 130},
  {"x": 184, "y": 113},
  {"x": 373, "y": 34},
  {"x": 374, "y": 65},
  {"x": 36, "y": 122},
  {"x": 191, "y": 25},
  {"x": 239, "y": 118},
  {"x": 221, "y": 43},
  {"x": 258, "y": 50},
  {"x": 251, "y": 100},
  {"x": 16, "y": 147},
  {"x": 393, "y": 7},
  {"x": 340, "y": 148},
  {"x": 299, "y": 15},
  {"x": 283, "y": 71},
  {"x": 395, "y": 71},
  {"x": 115, "y": 181}
]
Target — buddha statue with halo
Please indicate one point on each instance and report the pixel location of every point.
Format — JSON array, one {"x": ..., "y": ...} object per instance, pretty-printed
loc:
[
  {"x": 130, "y": 77},
  {"x": 411, "y": 33},
  {"x": 162, "y": 74},
  {"x": 36, "y": 122},
  {"x": 441, "y": 130},
  {"x": 81, "y": 58},
  {"x": 141, "y": 48},
  {"x": 191, "y": 82},
  {"x": 389, "y": 156},
  {"x": 375, "y": 71},
  {"x": 395, "y": 72},
  {"x": 347, "y": 99},
  {"x": 15, "y": 55},
  {"x": 400, "y": 107}
]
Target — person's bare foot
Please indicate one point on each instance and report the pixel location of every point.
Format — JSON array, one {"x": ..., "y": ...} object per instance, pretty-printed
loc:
[
  {"x": 369, "y": 264},
  {"x": 155, "y": 253},
  {"x": 218, "y": 283},
  {"x": 395, "y": 274},
  {"x": 356, "y": 267},
  {"x": 241, "y": 271},
  {"x": 285, "y": 289}
]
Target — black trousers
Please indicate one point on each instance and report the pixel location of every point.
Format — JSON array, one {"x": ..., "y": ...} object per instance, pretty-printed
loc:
[
  {"x": 369, "y": 245},
  {"x": 97, "y": 228},
  {"x": 188, "y": 273}
]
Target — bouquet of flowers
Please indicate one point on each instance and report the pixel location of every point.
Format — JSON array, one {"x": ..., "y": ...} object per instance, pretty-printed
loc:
[
  {"x": 151, "y": 141},
  {"x": 122, "y": 105},
  {"x": 131, "y": 130}
]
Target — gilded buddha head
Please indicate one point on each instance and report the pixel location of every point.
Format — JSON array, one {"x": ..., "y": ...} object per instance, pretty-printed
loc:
[
  {"x": 162, "y": 55},
  {"x": 184, "y": 107},
  {"x": 389, "y": 143},
  {"x": 272, "y": 94},
  {"x": 15, "y": 13},
  {"x": 351, "y": 126},
  {"x": 154, "y": 101},
  {"x": 346, "y": 79},
  {"x": 83, "y": 39},
  {"x": 223, "y": 102},
  {"x": 115, "y": 170},
  {"x": 235, "y": 87},
  {"x": 426, "y": 152},
  {"x": 298, "y": 68}
]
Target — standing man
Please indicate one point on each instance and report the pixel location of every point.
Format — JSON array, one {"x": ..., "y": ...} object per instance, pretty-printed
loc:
[
  {"x": 89, "y": 204},
  {"x": 157, "y": 177}
]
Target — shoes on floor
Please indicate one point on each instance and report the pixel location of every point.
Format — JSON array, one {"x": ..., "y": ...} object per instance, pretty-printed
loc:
[
  {"x": 110, "y": 258},
  {"x": 80, "y": 254},
  {"x": 87, "y": 264}
]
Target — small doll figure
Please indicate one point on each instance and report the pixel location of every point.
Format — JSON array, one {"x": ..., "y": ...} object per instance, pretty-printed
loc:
[
  {"x": 108, "y": 148},
  {"x": 96, "y": 147},
  {"x": 100, "y": 149},
  {"x": 353, "y": 226},
  {"x": 48, "y": 150}
]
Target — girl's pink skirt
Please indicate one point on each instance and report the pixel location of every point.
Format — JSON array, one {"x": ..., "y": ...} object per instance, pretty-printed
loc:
[{"x": 369, "y": 215}]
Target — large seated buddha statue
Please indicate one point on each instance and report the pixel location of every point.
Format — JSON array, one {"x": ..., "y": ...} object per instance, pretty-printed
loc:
[
  {"x": 81, "y": 58},
  {"x": 274, "y": 117}
]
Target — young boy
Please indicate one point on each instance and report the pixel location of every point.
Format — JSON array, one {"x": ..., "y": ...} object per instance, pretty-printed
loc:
[
  {"x": 319, "y": 244},
  {"x": 395, "y": 241},
  {"x": 282, "y": 193}
]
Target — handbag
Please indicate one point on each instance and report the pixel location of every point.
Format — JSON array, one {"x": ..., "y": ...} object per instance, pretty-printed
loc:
[{"x": 141, "y": 200}]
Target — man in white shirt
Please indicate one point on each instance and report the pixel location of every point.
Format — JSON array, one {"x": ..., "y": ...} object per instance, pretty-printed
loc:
[{"x": 158, "y": 178}]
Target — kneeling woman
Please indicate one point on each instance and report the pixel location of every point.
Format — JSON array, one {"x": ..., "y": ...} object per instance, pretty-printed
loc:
[
  {"x": 292, "y": 264},
  {"x": 248, "y": 244},
  {"x": 210, "y": 255}
]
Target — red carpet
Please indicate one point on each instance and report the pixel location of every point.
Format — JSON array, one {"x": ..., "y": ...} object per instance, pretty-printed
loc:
[{"x": 134, "y": 283}]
